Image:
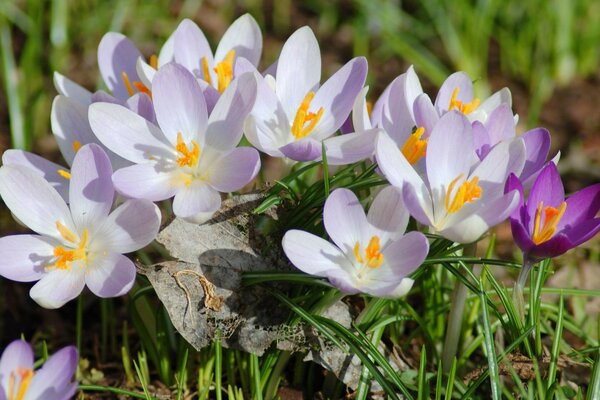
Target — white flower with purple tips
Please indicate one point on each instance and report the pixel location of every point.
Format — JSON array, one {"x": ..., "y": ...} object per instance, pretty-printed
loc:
[
  {"x": 370, "y": 253},
  {"x": 76, "y": 245}
]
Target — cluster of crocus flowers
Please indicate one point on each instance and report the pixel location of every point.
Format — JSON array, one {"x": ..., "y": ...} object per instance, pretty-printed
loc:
[{"x": 53, "y": 381}]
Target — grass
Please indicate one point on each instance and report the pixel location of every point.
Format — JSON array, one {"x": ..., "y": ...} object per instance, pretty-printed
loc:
[{"x": 438, "y": 37}]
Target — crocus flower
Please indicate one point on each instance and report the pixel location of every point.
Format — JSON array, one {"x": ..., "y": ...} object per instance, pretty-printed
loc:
[
  {"x": 53, "y": 381},
  {"x": 293, "y": 115},
  {"x": 76, "y": 245},
  {"x": 459, "y": 196},
  {"x": 189, "y": 155},
  {"x": 370, "y": 253},
  {"x": 546, "y": 224}
]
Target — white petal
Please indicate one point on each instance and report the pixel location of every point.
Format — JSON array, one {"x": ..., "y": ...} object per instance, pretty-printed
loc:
[
  {"x": 73, "y": 91},
  {"x": 58, "y": 287},
  {"x": 244, "y": 37},
  {"x": 312, "y": 254}
]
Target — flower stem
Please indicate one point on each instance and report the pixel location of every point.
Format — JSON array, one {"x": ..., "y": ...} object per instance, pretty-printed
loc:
[
  {"x": 453, "y": 331},
  {"x": 518, "y": 297}
]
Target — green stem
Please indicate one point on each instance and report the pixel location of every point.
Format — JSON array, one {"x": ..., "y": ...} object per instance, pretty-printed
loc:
[
  {"x": 459, "y": 298},
  {"x": 517, "y": 295}
]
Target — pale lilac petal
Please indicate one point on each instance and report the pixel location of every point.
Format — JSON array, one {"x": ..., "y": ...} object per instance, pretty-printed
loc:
[
  {"x": 481, "y": 140},
  {"x": 190, "y": 46},
  {"x": 130, "y": 227},
  {"x": 360, "y": 115},
  {"x": 501, "y": 97},
  {"x": 196, "y": 198},
  {"x": 505, "y": 158},
  {"x": 547, "y": 188},
  {"x": 537, "y": 146},
  {"x": 33, "y": 201},
  {"x": 500, "y": 124},
  {"x": 17, "y": 355},
  {"x": 388, "y": 214},
  {"x": 403, "y": 256},
  {"x": 242, "y": 66},
  {"x": 244, "y": 37},
  {"x": 400, "y": 121},
  {"x": 58, "y": 287},
  {"x": 260, "y": 136},
  {"x": 55, "y": 375},
  {"x": 298, "y": 69},
  {"x": 100, "y": 96},
  {"x": 450, "y": 153},
  {"x": 226, "y": 122},
  {"x": 128, "y": 134},
  {"x": 70, "y": 126},
  {"x": 395, "y": 290},
  {"x": 345, "y": 281},
  {"x": 306, "y": 149},
  {"x": 336, "y": 96},
  {"x": 167, "y": 51},
  {"x": 344, "y": 219},
  {"x": 393, "y": 164},
  {"x": 144, "y": 181},
  {"x": 25, "y": 256},
  {"x": 141, "y": 104},
  {"x": 73, "y": 91},
  {"x": 412, "y": 89},
  {"x": 458, "y": 80},
  {"x": 110, "y": 275},
  {"x": 351, "y": 147},
  {"x": 425, "y": 113},
  {"x": 46, "y": 169},
  {"x": 312, "y": 254},
  {"x": 179, "y": 104},
  {"x": 117, "y": 54},
  {"x": 211, "y": 95},
  {"x": 418, "y": 203},
  {"x": 234, "y": 170},
  {"x": 145, "y": 72},
  {"x": 91, "y": 191},
  {"x": 271, "y": 69}
]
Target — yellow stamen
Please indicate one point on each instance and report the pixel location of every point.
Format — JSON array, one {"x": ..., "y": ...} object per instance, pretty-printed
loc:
[
  {"x": 467, "y": 192},
  {"x": 188, "y": 157},
  {"x": 543, "y": 232},
  {"x": 142, "y": 88},
  {"x": 224, "y": 71},
  {"x": 415, "y": 148},
  {"x": 369, "y": 108},
  {"x": 206, "y": 71},
  {"x": 303, "y": 116},
  {"x": 464, "y": 108},
  {"x": 64, "y": 174},
  {"x": 154, "y": 61},
  {"x": 127, "y": 83},
  {"x": 137, "y": 84},
  {"x": 26, "y": 377},
  {"x": 64, "y": 257},
  {"x": 76, "y": 145},
  {"x": 373, "y": 257},
  {"x": 66, "y": 233}
]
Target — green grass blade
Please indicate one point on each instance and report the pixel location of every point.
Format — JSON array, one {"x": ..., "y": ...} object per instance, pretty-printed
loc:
[
  {"x": 489, "y": 347},
  {"x": 556, "y": 344},
  {"x": 423, "y": 389}
]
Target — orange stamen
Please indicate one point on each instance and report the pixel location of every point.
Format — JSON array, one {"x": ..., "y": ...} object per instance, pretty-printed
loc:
[
  {"x": 224, "y": 71},
  {"x": 464, "y": 108},
  {"x": 543, "y": 232},
  {"x": 76, "y": 145},
  {"x": 467, "y": 192},
  {"x": 373, "y": 257},
  {"x": 188, "y": 157},
  {"x": 415, "y": 148},
  {"x": 303, "y": 116}
]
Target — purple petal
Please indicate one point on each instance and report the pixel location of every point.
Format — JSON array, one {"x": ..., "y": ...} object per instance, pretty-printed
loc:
[
  {"x": 582, "y": 207},
  {"x": 100, "y": 96},
  {"x": 141, "y": 104},
  {"x": 388, "y": 214},
  {"x": 418, "y": 203},
  {"x": 578, "y": 234},
  {"x": 17, "y": 355},
  {"x": 58, "y": 287},
  {"x": 195, "y": 199},
  {"x": 190, "y": 46},
  {"x": 117, "y": 54},
  {"x": 337, "y": 96},
  {"x": 298, "y": 69},
  {"x": 46, "y": 169},
  {"x": 458, "y": 80},
  {"x": 306, "y": 149},
  {"x": 91, "y": 191},
  {"x": 351, "y": 147},
  {"x": 547, "y": 188},
  {"x": 112, "y": 275},
  {"x": 234, "y": 170},
  {"x": 73, "y": 91},
  {"x": 179, "y": 104},
  {"x": 557, "y": 245},
  {"x": 513, "y": 183},
  {"x": 537, "y": 146},
  {"x": 244, "y": 37},
  {"x": 130, "y": 227},
  {"x": 24, "y": 257},
  {"x": 33, "y": 201},
  {"x": 344, "y": 219},
  {"x": 312, "y": 254},
  {"x": 143, "y": 181},
  {"x": 520, "y": 231},
  {"x": 481, "y": 140},
  {"x": 226, "y": 122},
  {"x": 55, "y": 375}
]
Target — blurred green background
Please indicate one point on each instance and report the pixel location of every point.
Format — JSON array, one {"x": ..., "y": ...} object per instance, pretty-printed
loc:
[{"x": 546, "y": 51}]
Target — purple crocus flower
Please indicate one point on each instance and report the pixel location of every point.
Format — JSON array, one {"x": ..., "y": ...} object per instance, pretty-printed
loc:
[
  {"x": 370, "y": 253},
  {"x": 76, "y": 245},
  {"x": 53, "y": 381},
  {"x": 546, "y": 225},
  {"x": 293, "y": 115},
  {"x": 458, "y": 195},
  {"x": 189, "y": 155}
]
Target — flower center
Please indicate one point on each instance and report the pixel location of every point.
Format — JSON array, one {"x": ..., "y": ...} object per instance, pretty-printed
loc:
[
  {"x": 464, "y": 108},
  {"x": 543, "y": 231},
  {"x": 63, "y": 256},
  {"x": 372, "y": 257},
  {"x": 188, "y": 157},
  {"x": 303, "y": 117},
  {"x": 415, "y": 148},
  {"x": 26, "y": 377},
  {"x": 224, "y": 71},
  {"x": 141, "y": 88},
  {"x": 466, "y": 192}
]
